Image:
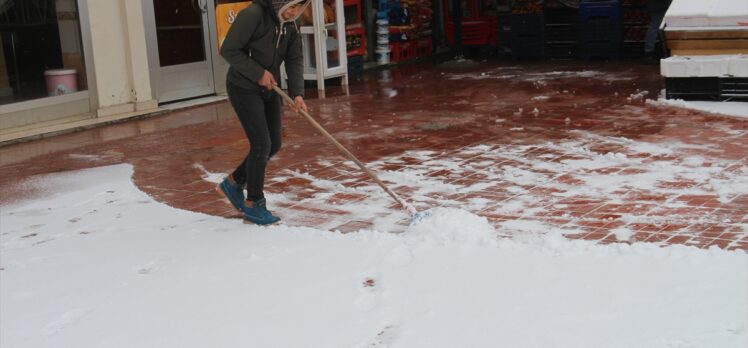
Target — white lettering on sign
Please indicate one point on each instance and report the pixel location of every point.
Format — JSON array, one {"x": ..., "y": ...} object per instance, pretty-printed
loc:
[{"x": 232, "y": 16}]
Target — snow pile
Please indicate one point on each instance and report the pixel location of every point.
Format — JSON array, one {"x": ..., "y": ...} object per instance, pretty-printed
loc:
[
  {"x": 98, "y": 263},
  {"x": 448, "y": 226}
]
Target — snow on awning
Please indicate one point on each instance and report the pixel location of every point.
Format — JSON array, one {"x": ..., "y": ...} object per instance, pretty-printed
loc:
[{"x": 712, "y": 13}]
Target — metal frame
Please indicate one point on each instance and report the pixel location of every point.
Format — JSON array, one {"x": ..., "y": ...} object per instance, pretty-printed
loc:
[{"x": 85, "y": 24}]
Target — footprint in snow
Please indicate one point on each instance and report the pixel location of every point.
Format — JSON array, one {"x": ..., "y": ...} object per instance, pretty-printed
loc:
[
  {"x": 153, "y": 266},
  {"x": 369, "y": 294},
  {"x": 43, "y": 241},
  {"x": 385, "y": 338},
  {"x": 67, "y": 319},
  {"x": 33, "y": 212}
]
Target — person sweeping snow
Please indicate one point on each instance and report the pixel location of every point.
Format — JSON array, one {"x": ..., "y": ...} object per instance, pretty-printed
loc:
[{"x": 263, "y": 36}]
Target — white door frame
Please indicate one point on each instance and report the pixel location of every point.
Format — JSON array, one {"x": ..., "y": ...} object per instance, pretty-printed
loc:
[{"x": 220, "y": 65}]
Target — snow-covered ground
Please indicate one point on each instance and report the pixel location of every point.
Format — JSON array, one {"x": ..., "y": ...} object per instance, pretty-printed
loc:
[{"x": 98, "y": 263}]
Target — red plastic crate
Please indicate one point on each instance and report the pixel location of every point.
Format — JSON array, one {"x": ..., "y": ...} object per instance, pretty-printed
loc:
[
  {"x": 361, "y": 33},
  {"x": 352, "y": 8},
  {"x": 424, "y": 46},
  {"x": 480, "y": 32},
  {"x": 401, "y": 51}
]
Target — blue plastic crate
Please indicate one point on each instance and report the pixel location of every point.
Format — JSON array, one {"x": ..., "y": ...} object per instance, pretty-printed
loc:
[{"x": 600, "y": 9}]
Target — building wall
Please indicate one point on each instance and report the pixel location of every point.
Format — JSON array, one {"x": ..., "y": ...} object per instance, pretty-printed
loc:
[{"x": 120, "y": 57}]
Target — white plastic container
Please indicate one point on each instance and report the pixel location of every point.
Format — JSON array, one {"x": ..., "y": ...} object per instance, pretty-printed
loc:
[
  {"x": 61, "y": 81},
  {"x": 382, "y": 55}
]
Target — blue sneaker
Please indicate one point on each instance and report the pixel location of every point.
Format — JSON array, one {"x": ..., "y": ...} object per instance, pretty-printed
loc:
[
  {"x": 233, "y": 192},
  {"x": 256, "y": 212}
]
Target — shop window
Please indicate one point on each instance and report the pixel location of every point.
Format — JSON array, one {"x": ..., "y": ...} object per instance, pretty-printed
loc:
[
  {"x": 41, "y": 54},
  {"x": 179, "y": 28}
]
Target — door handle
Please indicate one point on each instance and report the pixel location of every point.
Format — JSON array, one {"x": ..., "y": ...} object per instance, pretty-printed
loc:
[{"x": 202, "y": 5}]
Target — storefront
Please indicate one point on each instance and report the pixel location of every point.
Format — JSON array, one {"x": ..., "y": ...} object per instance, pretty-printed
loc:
[
  {"x": 75, "y": 63},
  {"x": 43, "y": 70}
]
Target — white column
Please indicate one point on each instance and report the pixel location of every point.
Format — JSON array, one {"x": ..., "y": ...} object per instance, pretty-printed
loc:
[
  {"x": 138, "y": 57},
  {"x": 119, "y": 54}
]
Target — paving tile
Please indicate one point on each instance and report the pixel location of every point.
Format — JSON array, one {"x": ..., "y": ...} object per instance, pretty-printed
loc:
[{"x": 524, "y": 167}]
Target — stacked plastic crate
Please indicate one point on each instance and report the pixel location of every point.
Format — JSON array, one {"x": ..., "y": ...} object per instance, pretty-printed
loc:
[
  {"x": 524, "y": 30},
  {"x": 635, "y": 23},
  {"x": 421, "y": 15},
  {"x": 601, "y": 29},
  {"x": 420, "y": 32},
  {"x": 355, "y": 36},
  {"x": 561, "y": 30},
  {"x": 410, "y": 29},
  {"x": 707, "y": 77},
  {"x": 402, "y": 32},
  {"x": 478, "y": 26}
]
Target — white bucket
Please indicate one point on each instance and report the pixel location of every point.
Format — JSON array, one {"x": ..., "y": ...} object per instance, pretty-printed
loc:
[
  {"x": 383, "y": 55},
  {"x": 61, "y": 81}
]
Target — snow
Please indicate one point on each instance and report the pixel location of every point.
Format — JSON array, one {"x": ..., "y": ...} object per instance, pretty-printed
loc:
[
  {"x": 729, "y": 108},
  {"x": 735, "y": 65},
  {"x": 714, "y": 13},
  {"x": 514, "y": 73},
  {"x": 98, "y": 263}
]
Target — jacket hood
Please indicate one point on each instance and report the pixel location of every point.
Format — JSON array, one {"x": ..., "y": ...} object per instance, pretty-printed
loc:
[{"x": 278, "y": 6}]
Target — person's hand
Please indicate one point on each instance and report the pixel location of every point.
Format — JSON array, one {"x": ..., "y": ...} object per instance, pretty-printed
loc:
[
  {"x": 267, "y": 80},
  {"x": 299, "y": 104}
]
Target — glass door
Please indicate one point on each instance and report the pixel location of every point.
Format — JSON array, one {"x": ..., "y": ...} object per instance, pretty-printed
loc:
[
  {"x": 323, "y": 39},
  {"x": 179, "y": 48}
]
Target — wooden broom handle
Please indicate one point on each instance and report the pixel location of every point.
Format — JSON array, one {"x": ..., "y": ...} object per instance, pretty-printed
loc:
[{"x": 341, "y": 147}]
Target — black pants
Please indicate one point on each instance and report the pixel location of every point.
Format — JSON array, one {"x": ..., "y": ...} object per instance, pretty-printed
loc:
[{"x": 260, "y": 116}]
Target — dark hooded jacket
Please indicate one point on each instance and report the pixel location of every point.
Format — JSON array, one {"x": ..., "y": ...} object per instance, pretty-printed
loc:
[{"x": 259, "y": 41}]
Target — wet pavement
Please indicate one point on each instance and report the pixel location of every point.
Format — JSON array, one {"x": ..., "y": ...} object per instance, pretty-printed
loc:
[{"x": 532, "y": 146}]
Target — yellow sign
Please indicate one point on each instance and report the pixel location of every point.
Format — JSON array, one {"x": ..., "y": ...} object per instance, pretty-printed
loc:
[{"x": 225, "y": 16}]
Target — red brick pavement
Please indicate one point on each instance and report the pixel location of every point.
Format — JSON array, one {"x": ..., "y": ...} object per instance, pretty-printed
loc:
[{"x": 570, "y": 147}]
